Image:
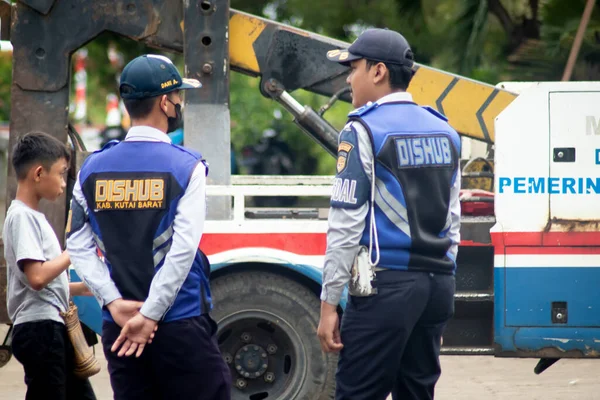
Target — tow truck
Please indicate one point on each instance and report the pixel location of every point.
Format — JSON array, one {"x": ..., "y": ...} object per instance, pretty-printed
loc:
[{"x": 529, "y": 257}]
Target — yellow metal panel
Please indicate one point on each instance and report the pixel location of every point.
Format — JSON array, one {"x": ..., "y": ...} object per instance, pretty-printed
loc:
[
  {"x": 428, "y": 85},
  {"x": 470, "y": 106},
  {"x": 461, "y": 105},
  {"x": 496, "y": 106},
  {"x": 243, "y": 31}
]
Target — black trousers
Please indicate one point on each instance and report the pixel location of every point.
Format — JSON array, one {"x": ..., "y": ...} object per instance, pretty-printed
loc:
[
  {"x": 47, "y": 356},
  {"x": 392, "y": 339},
  {"x": 182, "y": 362}
]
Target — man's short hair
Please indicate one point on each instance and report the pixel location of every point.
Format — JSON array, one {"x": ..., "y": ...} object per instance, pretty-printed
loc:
[
  {"x": 400, "y": 75},
  {"x": 37, "y": 147},
  {"x": 140, "y": 108}
]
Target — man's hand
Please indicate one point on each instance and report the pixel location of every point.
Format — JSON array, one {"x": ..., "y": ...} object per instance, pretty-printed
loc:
[
  {"x": 123, "y": 310},
  {"x": 138, "y": 331},
  {"x": 329, "y": 330}
]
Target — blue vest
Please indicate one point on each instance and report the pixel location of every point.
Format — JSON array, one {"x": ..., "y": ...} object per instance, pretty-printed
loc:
[
  {"x": 417, "y": 157},
  {"x": 132, "y": 190}
]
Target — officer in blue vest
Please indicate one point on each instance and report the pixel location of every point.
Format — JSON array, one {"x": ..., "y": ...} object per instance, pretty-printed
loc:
[
  {"x": 393, "y": 229},
  {"x": 142, "y": 203}
]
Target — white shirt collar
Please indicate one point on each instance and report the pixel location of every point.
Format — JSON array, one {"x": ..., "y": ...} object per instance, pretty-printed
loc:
[
  {"x": 393, "y": 97},
  {"x": 396, "y": 96},
  {"x": 142, "y": 133}
]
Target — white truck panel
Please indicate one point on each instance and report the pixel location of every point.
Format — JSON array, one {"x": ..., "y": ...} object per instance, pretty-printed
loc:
[{"x": 537, "y": 135}]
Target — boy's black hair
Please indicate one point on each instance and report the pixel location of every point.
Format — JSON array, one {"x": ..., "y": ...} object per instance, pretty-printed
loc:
[
  {"x": 400, "y": 75},
  {"x": 37, "y": 147}
]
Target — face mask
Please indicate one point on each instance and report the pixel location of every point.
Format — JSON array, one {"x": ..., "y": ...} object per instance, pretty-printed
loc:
[{"x": 174, "y": 122}]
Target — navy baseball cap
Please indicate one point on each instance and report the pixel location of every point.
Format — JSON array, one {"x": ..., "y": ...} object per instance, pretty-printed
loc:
[
  {"x": 152, "y": 75},
  {"x": 375, "y": 44}
]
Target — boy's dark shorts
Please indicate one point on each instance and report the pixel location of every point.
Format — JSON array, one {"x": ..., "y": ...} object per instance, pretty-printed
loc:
[{"x": 47, "y": 356}]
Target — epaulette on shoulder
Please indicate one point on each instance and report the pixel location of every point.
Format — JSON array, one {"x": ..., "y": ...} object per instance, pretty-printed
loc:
[
  {"x": 191, "y": 152},
  {"x": 107, "y": 145},
  {"x": 197, "y": 155},
  {"x": 363, "y": 110},
  {"x": 436, "y": 113},
  {"x": 347, "y": 127}
]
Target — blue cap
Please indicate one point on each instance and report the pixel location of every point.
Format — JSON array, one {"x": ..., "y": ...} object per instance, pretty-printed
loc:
[
  {"x": 152, "y": 75},
  {"x": 381, "y": 45}
]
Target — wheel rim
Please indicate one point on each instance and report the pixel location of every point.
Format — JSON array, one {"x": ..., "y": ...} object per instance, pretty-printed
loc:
[{"x": 264, "y": 353}]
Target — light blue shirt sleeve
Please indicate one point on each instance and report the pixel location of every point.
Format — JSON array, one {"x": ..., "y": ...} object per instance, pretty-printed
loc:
[
  {"x": 348, "y": 213},
  {"x": 82, "y": 247},
  {"x": 455, "y": 212}
]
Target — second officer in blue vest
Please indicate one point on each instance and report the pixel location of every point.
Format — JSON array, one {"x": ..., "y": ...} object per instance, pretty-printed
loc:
[
  {"x": 393, "y": 229},
  {"x": 142, "y": 203}
]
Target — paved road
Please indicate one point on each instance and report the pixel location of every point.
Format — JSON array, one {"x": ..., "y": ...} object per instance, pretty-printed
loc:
[{"x": 463, "y": 377}]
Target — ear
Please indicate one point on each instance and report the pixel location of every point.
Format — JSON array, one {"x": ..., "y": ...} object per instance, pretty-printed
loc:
[
  {"x": 380, "y": 73},
  {"x": 37, "y": 173},
  {"x": 163, "y": 103}
]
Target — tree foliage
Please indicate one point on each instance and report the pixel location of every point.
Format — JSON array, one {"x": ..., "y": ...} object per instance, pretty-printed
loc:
[{"x": 488, "y": 40}]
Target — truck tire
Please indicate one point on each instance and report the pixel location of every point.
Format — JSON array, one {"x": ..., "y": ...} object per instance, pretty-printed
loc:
[{"x": 268, "y": 335}]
